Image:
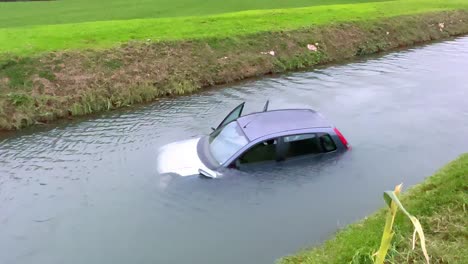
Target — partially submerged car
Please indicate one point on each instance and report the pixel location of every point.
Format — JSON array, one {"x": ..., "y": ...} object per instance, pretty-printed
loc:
[{"x": 254, "y": 139}]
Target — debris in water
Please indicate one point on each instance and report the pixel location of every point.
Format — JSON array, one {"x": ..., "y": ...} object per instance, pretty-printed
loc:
[{"x": 312, "y": 47}]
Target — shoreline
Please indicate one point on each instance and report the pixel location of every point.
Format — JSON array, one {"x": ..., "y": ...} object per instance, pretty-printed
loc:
[
  {"x": 58, "y": 85},
  {"x": 438, "y": 202}
]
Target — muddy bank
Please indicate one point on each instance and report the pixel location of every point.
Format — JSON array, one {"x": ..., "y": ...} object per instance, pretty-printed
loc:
[{"x": 71, "y": 83}]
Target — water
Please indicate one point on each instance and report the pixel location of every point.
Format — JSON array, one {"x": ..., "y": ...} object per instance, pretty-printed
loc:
[{"x": 87, "y": 192}]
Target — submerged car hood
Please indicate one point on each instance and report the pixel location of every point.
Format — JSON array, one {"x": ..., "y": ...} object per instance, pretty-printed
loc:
[{"x": 180, "y": 158}]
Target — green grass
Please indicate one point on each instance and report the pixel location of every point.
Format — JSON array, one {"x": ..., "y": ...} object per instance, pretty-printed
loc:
[
  {"x": 439, "y": 203},
  {"x": 29, "y": 40},
  {"x": 73, "y": 11}
]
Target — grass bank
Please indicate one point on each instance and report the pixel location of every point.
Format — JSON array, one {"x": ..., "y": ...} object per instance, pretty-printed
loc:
[
  {"x": 440, "y": 204},
  {"x": 33, "y": 39},
  {"x": 42, "y": 88}
]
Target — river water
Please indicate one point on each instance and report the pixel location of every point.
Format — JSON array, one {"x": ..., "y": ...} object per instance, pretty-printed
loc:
[{"x": 88, "y": 191}]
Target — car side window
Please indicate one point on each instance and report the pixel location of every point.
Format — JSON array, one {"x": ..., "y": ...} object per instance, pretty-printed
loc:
[
  {"x": 303, "y": 144},
  {"x": 327, "y": 143},
  {"x": 263, "y": 151}
]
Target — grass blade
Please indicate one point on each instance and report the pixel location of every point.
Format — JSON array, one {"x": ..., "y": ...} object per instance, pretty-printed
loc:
[
  {"x": 391, "y": 199},
  {"x": 388, "y": 229}
]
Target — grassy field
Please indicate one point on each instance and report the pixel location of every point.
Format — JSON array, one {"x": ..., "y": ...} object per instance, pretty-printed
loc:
[
  {"x": 440, "y": 203},
  {"x": 27, "y": 40},
  {"x": 74, "y": 11}
]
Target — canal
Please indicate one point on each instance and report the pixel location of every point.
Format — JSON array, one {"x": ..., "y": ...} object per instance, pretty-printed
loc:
[{"x": 87, "y": 191}]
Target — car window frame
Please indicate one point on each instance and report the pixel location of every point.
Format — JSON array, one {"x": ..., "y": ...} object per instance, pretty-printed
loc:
[
  {"x": 285, "y": 148},
  {"x": 231, "y": 163},
  {"x": 230, "y": 117},
  {"x": 321, "y": 134},
  {"x": 318, "y": 135},
  {"x": 236, "y": 164}
]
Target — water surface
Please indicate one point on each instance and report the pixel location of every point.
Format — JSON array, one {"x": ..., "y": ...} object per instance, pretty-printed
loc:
[{"x": 88, "y": 192}]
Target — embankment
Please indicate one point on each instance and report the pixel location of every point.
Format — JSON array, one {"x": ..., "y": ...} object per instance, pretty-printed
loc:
[
  {"x": 439, "y": 203},
  {"x": 41, "y": 88}
]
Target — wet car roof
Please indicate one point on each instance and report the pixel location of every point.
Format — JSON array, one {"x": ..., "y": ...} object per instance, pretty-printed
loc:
[{"x": 275, "y": 121}]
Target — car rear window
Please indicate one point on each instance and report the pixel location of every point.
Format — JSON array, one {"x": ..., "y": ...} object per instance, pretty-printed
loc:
[
  {"x": 307, "y": 144},
  {"x": 327, "y": 143}
]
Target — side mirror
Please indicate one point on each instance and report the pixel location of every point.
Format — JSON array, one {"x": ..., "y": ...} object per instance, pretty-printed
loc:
[
  {"x": 213, "y": 128},
  {"x": 235, "y": 164},
  {"x": 238, "y": 163},
  {"x": 208, "y": 173}
]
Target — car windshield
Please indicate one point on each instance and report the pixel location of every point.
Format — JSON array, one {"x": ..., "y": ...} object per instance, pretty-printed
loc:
[{"x": 227, "y": 141}]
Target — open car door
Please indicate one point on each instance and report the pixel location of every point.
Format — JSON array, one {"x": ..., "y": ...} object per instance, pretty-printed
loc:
[
  {"x": 233, "y": 115},
  {"x": 265, "y": 108}
]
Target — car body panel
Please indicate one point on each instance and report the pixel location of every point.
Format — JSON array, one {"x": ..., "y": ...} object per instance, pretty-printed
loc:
[
  {"x": 180, "y": 157},
  {"x": 260, "y": 124},
  {"x": 328, "y": 130}
]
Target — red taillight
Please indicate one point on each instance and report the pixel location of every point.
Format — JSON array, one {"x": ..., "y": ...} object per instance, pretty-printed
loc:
[{"x": 342, "y": 138}]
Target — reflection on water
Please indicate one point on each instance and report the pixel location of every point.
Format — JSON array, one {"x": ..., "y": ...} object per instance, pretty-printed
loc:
[{"x": 88, "y": 192}]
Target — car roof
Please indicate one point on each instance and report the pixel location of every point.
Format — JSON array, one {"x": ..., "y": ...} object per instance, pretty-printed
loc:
[{"x": 260, "y": 124}]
